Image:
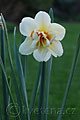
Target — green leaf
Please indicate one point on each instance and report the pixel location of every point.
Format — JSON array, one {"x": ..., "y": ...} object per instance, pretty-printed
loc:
[
  {"x": 24, "y": 66},
  {"x": 20, "y": 74},
  {"x": 11, "y": 65},
  {"x": 70, "y": 79},
  {"x": 35, "y": 90},
  {"x": 5, "y": 100},
  {"x": 9, "y": 82},
  {"x": 6, "y": 80},
  {"x": 24, "y": 62},
  {"x": 51, "y": 15}
]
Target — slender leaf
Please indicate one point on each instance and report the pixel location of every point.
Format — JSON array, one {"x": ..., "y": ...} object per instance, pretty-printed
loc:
[
  {"x": 35, "y": 90},
  {"x": 20, "y": 74},
  {"x": 24, "y": 66},
  {"x": 51, "y": 15},
  {"x": 3, "y": 78},
  {"x": 12, "y": 67},
  {"x": 11, "y": 97},
  {"x": 24, "y": 62},
  {"x": 42, "y": 88},
  {"x": 70, "y": 79},
  {"x": 9, "y": 82}
]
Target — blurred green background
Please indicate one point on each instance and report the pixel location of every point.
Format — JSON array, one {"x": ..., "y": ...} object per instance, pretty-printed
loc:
[{"x": 67, "y": 13}]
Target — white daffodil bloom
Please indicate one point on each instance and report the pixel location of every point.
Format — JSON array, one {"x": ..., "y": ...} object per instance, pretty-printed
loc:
[{"x": 42, "y": 37}]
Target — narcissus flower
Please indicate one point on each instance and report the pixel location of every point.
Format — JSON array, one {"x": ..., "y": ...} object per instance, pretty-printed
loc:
[{"x": 42, "y": 37}]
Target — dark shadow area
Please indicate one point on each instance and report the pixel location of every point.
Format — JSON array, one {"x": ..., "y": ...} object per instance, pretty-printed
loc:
[{"x": 64, "y": 10}]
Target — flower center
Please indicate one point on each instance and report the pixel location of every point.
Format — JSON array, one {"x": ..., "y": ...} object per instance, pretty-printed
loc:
[{"x": 42, "y": 38}]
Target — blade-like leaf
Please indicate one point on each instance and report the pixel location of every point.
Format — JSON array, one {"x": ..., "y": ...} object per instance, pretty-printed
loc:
[
  {"x": 5, "y": 100},
  {"x": 35, "y": 90},
  {"x": 24, "y": 66},
  {"x": 70, "y": 79},
  {"x": 20, "y": 74},
  {"x": 11, "y": 66},
  {"x": 51, "y": 15},
  {"x": 11, "y": 97},
  {"x": 24, "y": 62}
]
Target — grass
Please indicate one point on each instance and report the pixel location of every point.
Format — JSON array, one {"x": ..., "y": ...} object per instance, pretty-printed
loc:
[{"x": 59, "y": 77}]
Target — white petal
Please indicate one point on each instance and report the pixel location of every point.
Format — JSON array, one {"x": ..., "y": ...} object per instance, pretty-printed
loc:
[
  {"x": 33, "y": 45},
  {"x": 53, "y": 38},
  {"x": 47, "y": 42},
  {"x": 56, "y": 48},
  {"x": 43, "y": 20},
  {"x": 58, "y": 29},
  {"x": 41, "y": 55},
  {"x": 35, "y": 36},
  {"x": 47, "y": 57},
  {"x": 25, "y": 48},
  {"x": 27, "y": 25}
]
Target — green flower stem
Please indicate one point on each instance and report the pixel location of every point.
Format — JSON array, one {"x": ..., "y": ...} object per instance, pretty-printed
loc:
[
  {"x": 49, "y": 63},
  {"x": 42, "y": 88},
  {"x": 3, "y": 78},
  {"x": 47, "y": 85},
  {"x": 70, "y": 79}
]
